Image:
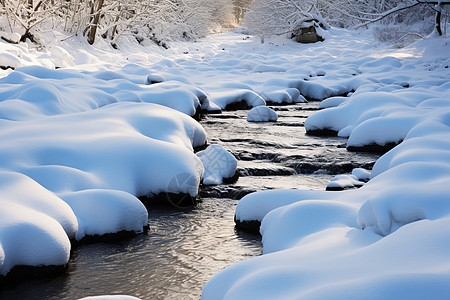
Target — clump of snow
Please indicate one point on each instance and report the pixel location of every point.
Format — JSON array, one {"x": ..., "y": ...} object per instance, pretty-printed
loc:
[
  {"x": 219, "y": 164},
  {"x": 290, "y": 95},
  {"x": 119, "y": 211},
  {"x": 224, "y": 98},
  {"x": 332, "y": 102},
  {"x": 97, "y": 160},
  {"x": 361, "y": 174},
  {"x": 344, "y": 181},
  {"x": 7, "y": 60},
  {"x": 154, "y": 78},
  {"x": 262, "y": 114},
  {"x": 35, "y": 224}
]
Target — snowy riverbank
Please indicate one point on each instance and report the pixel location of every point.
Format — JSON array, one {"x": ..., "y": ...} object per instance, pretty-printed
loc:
[{"x": 388, "y": 239}]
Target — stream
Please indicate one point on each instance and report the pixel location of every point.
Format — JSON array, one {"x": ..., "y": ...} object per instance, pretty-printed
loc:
[{"x": 185, "y": 248}]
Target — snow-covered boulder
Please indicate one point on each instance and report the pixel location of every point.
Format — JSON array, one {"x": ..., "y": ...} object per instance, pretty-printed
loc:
[
  {"x": 35, "y": 224},
  {"x": 236, "y": 97},
  {"x": 120, "y": 211},
  {"x": 342, "y": 182},
  {"x": 362, "y": 174},
  {"x": 285, "y": 96},
  {"x": 332, "y": 102},
  {"x": 262, "y": 114},
  {"x": 219, "y": 164},
  {"x": 8, "y": 60}
]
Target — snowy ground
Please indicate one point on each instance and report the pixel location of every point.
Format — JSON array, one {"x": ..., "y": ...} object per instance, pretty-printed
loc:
[{"x": 98, "y": 132}]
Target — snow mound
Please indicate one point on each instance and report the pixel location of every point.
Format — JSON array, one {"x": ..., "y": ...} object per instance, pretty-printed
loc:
[
  {"x": 332, "y": 102},
  {"x": 7, "y": 60},
  {"x": 262, "y": 114},
  {"x": 35, "y": 224},
  {"x": 361, "y": 174},
  {"x": 120, "y": 211},
  {"x": 344, "y": 181},
  {"x": 219, "y": 164},
  {"x": 85, "y": 148},
  {"x": 286, "y": 96},
  {"x": 228, "y": 97}
]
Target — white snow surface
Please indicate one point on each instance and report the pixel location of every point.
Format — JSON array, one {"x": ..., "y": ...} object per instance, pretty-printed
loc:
[
  {"x": 218, "y": 163},
  {"x": 344, "y": 181},
  {"x": 388, "y": 239},
  {"x": 98, "y": 130},
  {"x": 79, "y": 145},
  {"x": 262, "y": 114}
]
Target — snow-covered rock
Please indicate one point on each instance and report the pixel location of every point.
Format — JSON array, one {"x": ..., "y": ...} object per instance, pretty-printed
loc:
[
  {"x": 8, "y": 60},
  {"x": 262, "y": 114},
  {"x": 361, "y": 174},
  {"x": 120, "y": 211},
  {"x": 35, "y": 224},
  {"x": 219, "y": 164},
  {"x": 235, "y": 96},
  {"x": 342, "y": 182}
]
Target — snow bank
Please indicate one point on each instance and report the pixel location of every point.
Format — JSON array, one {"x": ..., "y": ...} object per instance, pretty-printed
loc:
[
  {"x": 76, "y": 143},
  {"x": 81, "y": 151},
  {"x": 219, "y": 164},
  {"x": 59, "y": 93},
  {"x": 388, "y": 239},
  {"x": 120, "y": 211},
  {"x": 287, "y": 96},
  {"x": 262, "y": 114},
  {"x": 92, "y": 161}
]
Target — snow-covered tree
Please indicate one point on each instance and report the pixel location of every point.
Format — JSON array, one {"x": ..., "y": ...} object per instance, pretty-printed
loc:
[
  {"x": 268, "y": 17},
  {"x": 24, "y": 15},
  {"x": 160, "y": 20},
  {"x": 276, "y": 17},
  {"x": 240, "y": 8}
]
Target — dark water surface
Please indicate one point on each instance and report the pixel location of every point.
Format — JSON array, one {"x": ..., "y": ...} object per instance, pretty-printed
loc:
[{"x": 184, "y": 249}]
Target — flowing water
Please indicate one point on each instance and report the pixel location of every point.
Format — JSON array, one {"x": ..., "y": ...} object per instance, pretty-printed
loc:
[{"x": 184, "y": 249}]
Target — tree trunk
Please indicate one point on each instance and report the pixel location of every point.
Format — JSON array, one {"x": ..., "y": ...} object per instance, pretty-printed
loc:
[
  {"x": 438, "y": 19},
  {"x": 94, "y": 25},
  {"x": 113, "y": 33}
]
